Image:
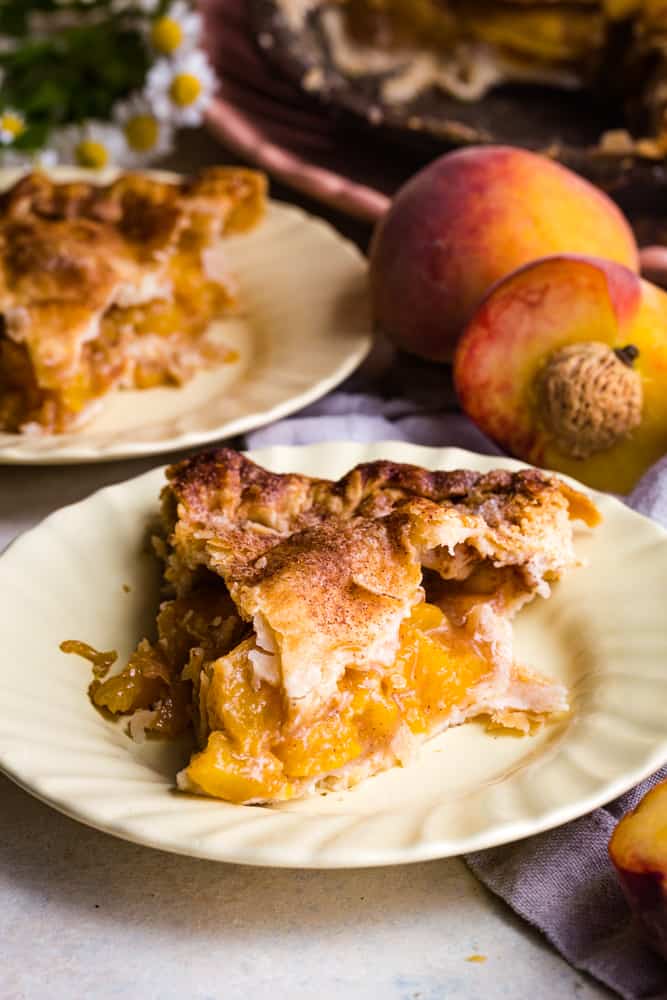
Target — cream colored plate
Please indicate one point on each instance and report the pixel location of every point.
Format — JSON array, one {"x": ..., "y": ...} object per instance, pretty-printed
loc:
[
  {"x": 304, "y": 328},
  {"x": 603, "y": 632}
]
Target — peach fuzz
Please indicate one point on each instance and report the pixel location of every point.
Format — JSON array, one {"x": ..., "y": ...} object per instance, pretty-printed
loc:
[
  {"x": 525, "y": 323},
  {"x": 470, "y": 218},
  {"x": 638, "y": 850}
]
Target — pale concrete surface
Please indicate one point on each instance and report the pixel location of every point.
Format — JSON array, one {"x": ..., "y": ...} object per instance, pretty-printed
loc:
[{"x": 85, "y": 915}]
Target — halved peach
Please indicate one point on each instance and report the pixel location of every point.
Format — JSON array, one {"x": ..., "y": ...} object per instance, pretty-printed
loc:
[
  {"x": 564, "y": 364},
  {"x": 638, "y": 849}
]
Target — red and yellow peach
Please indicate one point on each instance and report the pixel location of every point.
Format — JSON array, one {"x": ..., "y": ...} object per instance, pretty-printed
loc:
[
  {"x": 638, "y": 850},
  {"x": 469, "y": 219},
  {"x": 564, "y": 364}
]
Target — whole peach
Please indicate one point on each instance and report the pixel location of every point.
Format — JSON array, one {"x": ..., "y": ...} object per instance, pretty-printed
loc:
[{"x": 467, "y": 220}]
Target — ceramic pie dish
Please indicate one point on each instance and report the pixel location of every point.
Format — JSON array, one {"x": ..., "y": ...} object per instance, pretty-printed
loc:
[
  {"x": 601, "y": 633},
  {"x": 441, "y": 75}
]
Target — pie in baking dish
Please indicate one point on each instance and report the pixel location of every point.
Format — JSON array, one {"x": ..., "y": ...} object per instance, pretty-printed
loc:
[
  {"x": 406, "y": 51},
  {"x": 317, "y": 632},
  {"x": 480, "y": 43},
  {"x": 117, "y": 286}
]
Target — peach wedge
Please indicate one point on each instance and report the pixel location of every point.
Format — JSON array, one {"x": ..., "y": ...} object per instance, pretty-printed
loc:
[
  {"x": 564, "y": 364},
  {"x": 638, "y": 849}
]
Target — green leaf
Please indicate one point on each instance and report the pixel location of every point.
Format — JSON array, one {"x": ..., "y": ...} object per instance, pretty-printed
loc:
[{"x": 76, "y": 74}]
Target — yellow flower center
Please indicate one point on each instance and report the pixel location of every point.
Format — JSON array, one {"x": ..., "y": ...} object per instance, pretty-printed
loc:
[
  {"x": 90, "y": 153},
  {"x": 185, "y": 89},
  {"x": 12, "y": 123},
  {"x": 166, "y": 35},
  {"x": 142, "y": 133}
]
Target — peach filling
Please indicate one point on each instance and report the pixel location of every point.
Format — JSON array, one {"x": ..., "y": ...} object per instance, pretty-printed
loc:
[
  {"x": 174, "y": 345},
  {"x": 254, "y": 751},
  {"x": 200, "y": 625},
  {"x": 195, "y": 302},
  {"x": 545, "y": 33},
  {"x": 253, "y": 748}
]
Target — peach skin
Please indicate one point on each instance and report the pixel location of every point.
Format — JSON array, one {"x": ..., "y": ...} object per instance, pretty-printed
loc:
[
  {"x": 638, "y": 850},
  {"x": 564, "y": 364},
  {"x": 470, "y": 218}
]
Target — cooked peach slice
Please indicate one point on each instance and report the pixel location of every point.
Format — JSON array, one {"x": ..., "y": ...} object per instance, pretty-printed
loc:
[
  {"x": 638, "y": 849},
  {"x": 564, "y": 364}
]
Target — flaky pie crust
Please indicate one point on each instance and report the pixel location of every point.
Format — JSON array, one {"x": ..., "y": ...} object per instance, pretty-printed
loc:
[{"x": 105, "y": 286}]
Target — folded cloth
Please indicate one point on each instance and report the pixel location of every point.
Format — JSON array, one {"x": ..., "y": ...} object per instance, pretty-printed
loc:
[{"x": 561, "y": 881}]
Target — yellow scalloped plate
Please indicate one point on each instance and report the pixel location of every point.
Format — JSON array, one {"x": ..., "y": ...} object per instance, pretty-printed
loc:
[
  {"x": 603, "y": 632},
  {"x": 303, "y": 292}
]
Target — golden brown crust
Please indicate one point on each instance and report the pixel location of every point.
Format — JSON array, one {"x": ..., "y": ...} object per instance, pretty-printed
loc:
[
  {"x": 249, "y": 508},
  {"x": 331, "y": 596},
  {"x": 142, "y": 208},
  {"x": 69, "y": 253},
  {"x": 332, "y": 568}
]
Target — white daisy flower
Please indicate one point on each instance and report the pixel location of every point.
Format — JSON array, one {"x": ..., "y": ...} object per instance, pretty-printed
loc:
[
  {"x": 12, "y": 125},
  {"x": 146, "y": 136},
  {"x": 180, "y": 89},
  {"x": 177, "y": 30},
  {"x": 92, "y": 144}
]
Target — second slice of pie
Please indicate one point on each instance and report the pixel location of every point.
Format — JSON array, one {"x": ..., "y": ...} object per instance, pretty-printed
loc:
[{"x": 115, "y": 286}]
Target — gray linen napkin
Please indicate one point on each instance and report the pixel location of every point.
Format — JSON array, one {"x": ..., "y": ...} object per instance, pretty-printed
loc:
[{"x": 561, "y": 881}]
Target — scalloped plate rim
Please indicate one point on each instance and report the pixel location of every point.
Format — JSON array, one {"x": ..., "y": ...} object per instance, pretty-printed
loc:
[{"x": 275, "y": 856}]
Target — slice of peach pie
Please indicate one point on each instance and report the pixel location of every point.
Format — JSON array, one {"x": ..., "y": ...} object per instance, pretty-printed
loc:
[
  {"x": 116, "y": 286},
  {"x": 319, "y": 631}
]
